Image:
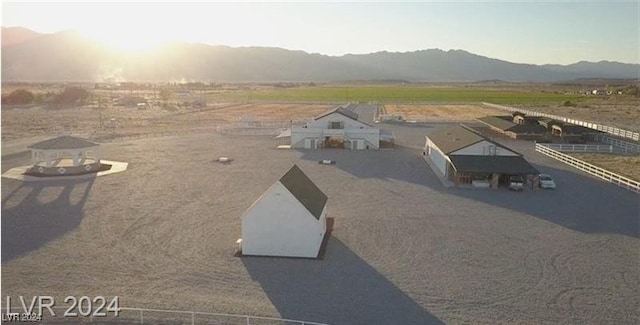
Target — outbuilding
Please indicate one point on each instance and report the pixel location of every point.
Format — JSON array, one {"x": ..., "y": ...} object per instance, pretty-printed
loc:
[
  {"x": 464, "y": 156},
  {"x": 64, "y": 155},
  {"x": 337, "y": 128},
  {"x": 289, "y": 219}
]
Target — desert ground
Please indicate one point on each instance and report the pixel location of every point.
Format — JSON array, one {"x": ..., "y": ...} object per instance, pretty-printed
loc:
[
  {"x": 624, "y": 114},
  {"x": 404, "y": 249},
  {"x": 628, "y": 166},
  {"x": 442, "y": 113}
]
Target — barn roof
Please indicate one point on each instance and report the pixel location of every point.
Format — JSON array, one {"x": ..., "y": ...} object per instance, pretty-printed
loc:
[
  {"x": 499, "y": 122},
  {"x": 340, "y": 110},
  {"x": 510, "y": 165},
  {"x": 454, "y": 138},
  {"x": 304, "y": 190},
  {"x": 63, "y": 142}
]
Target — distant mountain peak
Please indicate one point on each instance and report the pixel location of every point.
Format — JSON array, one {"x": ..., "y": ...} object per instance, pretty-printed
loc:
[{"x": 71, "y": 56}]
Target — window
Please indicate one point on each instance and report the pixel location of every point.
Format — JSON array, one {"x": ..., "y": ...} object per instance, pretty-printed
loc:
[{"x": 336, "y": 125}]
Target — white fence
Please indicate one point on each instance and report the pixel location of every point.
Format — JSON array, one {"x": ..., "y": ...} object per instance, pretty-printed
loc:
[
  {"x": 604, "y": 128},
  {"x": 625, "y": 146},
  {"x": 579, "y": 147},
  {"x": 624, "y": 182},
  {"x": 162, "y": 316}
]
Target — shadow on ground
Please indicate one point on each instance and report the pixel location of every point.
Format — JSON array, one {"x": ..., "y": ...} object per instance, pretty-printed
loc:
[
  {"x": 403, "y": 164},
  {"x": 340, "y": 289},
  {"x": 36, "y": 213},
  {"x": 579, "y": 202}
]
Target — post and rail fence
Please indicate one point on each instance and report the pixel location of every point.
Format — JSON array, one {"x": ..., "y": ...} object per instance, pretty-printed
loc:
[
  {"x": 579, "y": 147},
  {"x": 151, "y": 316},
  {"x": 622, "y": 181},
  {"x": 604, "y": 128}
]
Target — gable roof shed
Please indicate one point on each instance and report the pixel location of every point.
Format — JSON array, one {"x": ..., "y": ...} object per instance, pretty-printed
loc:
[{"x": 301, "y": 186}]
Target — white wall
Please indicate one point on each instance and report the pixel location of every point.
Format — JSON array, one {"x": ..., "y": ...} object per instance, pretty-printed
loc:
[
  {"x": 319, "y": 129},
  {"x": 323, "y": 123},
  {"x": 437, "y": 157},
  {"x": 482, "y": 148},
  {"x": 277, "y": 224}
]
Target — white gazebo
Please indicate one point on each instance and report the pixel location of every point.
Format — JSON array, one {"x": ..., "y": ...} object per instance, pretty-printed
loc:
[{"x": 65, "y": 155}]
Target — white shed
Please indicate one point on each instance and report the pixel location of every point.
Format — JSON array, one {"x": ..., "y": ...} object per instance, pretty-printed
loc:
[{"x": 289, "y": 219}]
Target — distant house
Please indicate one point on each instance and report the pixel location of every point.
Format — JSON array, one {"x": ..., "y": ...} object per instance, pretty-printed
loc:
[
  {"x": 289, "y": 219},
  {"x": 337, "y": 128},
  {"x": 465, "y": 157}
]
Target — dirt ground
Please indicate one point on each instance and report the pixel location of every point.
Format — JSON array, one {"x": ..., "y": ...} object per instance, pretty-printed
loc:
[
  {"x": 125, "y": 122},
  {"x": 624, "y": 115},
  {"x": 404, "y": 249},
  {"x": 628, "y": 166},
  {"x": 437, "y": 112}
]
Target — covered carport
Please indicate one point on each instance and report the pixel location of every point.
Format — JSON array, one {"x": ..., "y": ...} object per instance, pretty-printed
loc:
[{"x": 488, "y": 171}]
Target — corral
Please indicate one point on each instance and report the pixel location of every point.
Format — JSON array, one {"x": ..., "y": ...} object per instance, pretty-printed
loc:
[{"x": 404, "y": 249}]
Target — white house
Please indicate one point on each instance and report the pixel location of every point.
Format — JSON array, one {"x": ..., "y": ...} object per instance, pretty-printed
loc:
[
  {"x": 289, "y": 219},
  {"x": 337, "y": 128},
  {"x": 466, "y": 157}
]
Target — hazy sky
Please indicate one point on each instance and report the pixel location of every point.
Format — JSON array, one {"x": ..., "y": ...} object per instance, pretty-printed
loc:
[{"x": 524, "y": 32}]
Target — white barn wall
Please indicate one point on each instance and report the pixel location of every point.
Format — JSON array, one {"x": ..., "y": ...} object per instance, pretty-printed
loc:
[
  {"x": 319, "y": 129},
  {"x": 279, "y": 225},
  {"x": 482, "y": 149},
  {"x": 437, "y": 157},
  {"x": 349, "y": 123}
]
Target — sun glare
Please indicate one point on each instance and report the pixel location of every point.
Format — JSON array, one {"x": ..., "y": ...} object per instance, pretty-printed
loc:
[{"x": 130, "y": 42}]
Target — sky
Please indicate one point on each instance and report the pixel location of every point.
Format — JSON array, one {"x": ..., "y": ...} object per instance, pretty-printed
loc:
[{"x": 535, "y": 32}]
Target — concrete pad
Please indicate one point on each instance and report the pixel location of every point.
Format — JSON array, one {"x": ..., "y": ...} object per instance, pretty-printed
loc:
[{"x": 19, "y": 172}]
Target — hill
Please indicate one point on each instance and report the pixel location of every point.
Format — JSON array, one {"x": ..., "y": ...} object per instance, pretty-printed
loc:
[{"x": 68, "y": 56}]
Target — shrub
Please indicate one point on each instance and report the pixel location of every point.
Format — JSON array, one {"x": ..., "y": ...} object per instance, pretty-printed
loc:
[{"x": 18, "y": 97}]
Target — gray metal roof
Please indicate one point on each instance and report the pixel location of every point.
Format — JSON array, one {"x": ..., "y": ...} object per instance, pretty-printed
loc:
[
  {"x": 304, "y": 190},
  {"x": 340, "y": 110},
  {"x": 500, "y": 122},
  {"x": 454, "y": 138},
  {"x": 510, "y": 165},
  {"x": 63, "y": 142}
]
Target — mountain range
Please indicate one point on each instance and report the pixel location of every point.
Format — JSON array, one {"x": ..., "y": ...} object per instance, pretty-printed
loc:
[{"x": 69, "y": 56}]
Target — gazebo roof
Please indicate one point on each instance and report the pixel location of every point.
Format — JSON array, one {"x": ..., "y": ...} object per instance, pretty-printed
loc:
[{"x": 63, "y": 142}]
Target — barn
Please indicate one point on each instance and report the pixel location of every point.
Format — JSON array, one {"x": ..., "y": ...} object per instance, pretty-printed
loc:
[
  {"x": 337, "y": 128},
  {"x": 467, "y": 158},
  {"x": 289, "y": 219}
]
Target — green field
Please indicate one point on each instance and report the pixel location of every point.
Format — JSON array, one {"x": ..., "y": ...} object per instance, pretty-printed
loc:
[{"x": 396, "y": 94}]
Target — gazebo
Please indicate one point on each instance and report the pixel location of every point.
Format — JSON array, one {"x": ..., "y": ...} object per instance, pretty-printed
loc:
[{"x": 64, "y": 155}]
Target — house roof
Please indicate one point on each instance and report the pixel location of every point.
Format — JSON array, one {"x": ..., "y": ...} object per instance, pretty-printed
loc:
[
  {"x": 304, "y": 190},
  {"x": 454, "y": 138},
  {"x": 511, "y": 165},
  {"x": 503, "y": 123},
  {"x": 340, "y": 110},
  {"x": 63, "y": 142}
]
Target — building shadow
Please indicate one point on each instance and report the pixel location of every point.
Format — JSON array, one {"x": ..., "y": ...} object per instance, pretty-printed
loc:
[
  {"x": 36, "y": 213},
  {"x": 404, "y": 164},
  {"x": 579, "y": 202},
  {"x": 340, "y": 289}
]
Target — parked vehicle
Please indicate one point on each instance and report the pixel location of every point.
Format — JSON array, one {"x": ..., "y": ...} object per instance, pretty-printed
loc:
[
  {"x": 546, "y": 182},
  {"x": 516, "y": 183}
]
